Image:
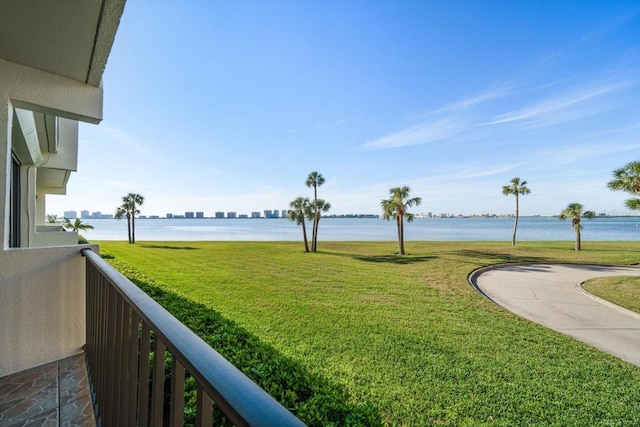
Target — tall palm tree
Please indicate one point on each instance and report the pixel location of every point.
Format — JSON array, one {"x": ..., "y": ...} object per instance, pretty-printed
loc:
[
  {"x": 627, "y": 178},
  {"x": 321, "y": 206},
  {"x": 300, "y": 210},
  {"x": 574, "y": 211},
  {"x": 314, "y": 180},
  {"x": 396, "y": 207},
  {"x": 516, "y": 188},
  {"x": 129, "y": 208},
  {"x": 120, "y": 212}
]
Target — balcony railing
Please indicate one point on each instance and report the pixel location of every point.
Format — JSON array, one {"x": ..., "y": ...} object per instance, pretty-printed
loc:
[{"x": 123, "y": 323}]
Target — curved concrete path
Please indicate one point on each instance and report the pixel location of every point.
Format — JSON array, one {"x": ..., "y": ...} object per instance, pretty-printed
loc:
[{"x": 551, "y": 295}]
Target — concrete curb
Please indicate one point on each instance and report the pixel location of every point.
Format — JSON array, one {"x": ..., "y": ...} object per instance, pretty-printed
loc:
[{"x": 604, "y": 302}]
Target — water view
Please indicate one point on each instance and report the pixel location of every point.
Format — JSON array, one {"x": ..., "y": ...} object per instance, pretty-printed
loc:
[{"x": 366, "y": 229}]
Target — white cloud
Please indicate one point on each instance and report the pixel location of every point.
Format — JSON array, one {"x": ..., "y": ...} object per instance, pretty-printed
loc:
[
  {"x": 499, "y": 91},
  {"x": 423, "y": 133},
  {"x": 445, "y": 123},
  {"x": 470, "y": 173},
  {"x": 580, "y": 103},
  {"x": 459, "y": 119}
]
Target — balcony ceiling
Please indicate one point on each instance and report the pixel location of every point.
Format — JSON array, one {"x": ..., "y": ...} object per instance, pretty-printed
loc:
[{"x": 70, "y": 38}]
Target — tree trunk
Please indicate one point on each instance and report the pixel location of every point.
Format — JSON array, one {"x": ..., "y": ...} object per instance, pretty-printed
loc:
[
  {"x": 400, "y": 222},
  {"x": 304, "y": 234},
  {"x": 578, "y": 240},
  {"x": 515, "y": 223},
  {"x": 315, "y": 218},
  {"x": 129, "y": 227},
  {"x": 133, "y": 229},
  {"x": 315, "y": 234}
]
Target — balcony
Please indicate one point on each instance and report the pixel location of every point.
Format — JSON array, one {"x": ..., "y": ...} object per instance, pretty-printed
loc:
[{"x": 118, "y": 381}]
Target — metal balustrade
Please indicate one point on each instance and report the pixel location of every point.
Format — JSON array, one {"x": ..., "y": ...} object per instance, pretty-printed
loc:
[{"x": 122, "y": 324}]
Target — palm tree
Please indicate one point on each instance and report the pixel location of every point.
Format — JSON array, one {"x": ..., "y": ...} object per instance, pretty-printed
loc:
[
  {"x": 627, "y": 178},
  {"x": 300, "y": 210},
  {"x": 314, "y": 180},
  {"x": 120, "y": 212},
  {"x": 76, "y": 225},
  {"x": 396, "y": 207},
  {"x": 574, "y": 211},
  {"x": 321, "y": 206},
  {"x": 52, "y": 219},
  {"x": 129, "y": 208},
  {"x": 516, "y": 188}
]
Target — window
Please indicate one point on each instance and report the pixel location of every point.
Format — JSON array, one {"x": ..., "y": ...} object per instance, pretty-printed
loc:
[{"x": 14, "y": 204}]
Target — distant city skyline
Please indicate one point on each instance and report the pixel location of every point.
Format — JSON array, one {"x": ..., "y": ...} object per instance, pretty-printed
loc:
[
  {"x": 85, "y": 214},
  {"x": 267, "y": 213}
]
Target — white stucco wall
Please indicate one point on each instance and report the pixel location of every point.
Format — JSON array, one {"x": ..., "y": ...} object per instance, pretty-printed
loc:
[
  {"x": 42, "y": 290},
  {"x": 42, "y": 306},
  {"x": 31, "y": 89}
]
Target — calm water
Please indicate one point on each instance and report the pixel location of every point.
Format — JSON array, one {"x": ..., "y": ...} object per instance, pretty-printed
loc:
[{"x": 363, "y": 229}]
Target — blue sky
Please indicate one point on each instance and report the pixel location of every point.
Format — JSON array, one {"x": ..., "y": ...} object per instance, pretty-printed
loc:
[{"x": 228, "y": 105}]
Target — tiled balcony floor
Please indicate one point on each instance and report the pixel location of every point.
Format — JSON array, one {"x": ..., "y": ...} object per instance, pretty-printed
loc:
[{"x": 55, "y": 394}]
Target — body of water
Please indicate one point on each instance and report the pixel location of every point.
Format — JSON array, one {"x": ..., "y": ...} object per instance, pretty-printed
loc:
[{"x": 365, "y": 229}]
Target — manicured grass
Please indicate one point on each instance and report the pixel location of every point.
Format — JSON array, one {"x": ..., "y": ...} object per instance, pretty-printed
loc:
[
  {"x": 407, "y": 336},
  {"x": 621, "y": 290}
]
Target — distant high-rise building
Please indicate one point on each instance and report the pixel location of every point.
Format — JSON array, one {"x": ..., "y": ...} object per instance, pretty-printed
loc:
[
  {"x": 200, "y": 215},
  {"x": 189, "y": 215},
  {"x": 96, "y": 215},
  {"x": 70, "y": 214},
  {"x": 169, "y": 215},
  {"x": 284, "y": 213},
  {"x": 231, "y": 215},
  {"x": 219, "y": 214},
  {"x": 255, "y": 214}
]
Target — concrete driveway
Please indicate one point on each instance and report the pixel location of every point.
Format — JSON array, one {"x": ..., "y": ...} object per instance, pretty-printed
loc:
[{"x": 551, "y": 295}]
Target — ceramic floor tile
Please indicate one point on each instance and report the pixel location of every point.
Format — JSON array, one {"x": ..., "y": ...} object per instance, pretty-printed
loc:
[
  {"x": 78, "y": 413},
  {"x": 72, "y": 365},
  {"x": 50, "y": 370},
  {"x": 74, "y": 382},
  {"x": 50, "y": 395},
  {"x": 20, "y": 385},
  {"x": 19, "y": 391},
  {"x": 46, "y": 419},
  {"x": 73, "y": 388},
  {"x": 29, "y": 407}
]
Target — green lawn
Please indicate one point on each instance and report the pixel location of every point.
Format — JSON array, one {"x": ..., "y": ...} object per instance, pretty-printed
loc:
[
  {"x": 368, "y": 337},
  {"x": 621, "y": 290}
]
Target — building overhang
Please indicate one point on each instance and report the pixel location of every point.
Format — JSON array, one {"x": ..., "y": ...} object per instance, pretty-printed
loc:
[{"x": 70, "y": 38}]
